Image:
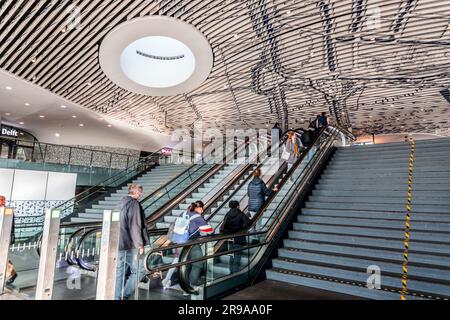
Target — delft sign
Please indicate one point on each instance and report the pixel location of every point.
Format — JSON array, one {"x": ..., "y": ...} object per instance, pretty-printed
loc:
[{"x": 10, "y": 132}]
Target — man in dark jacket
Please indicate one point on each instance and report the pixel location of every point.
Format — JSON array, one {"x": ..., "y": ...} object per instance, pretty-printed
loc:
[
  {"x": 257, "y": 193},
  {"x": 234, "y": 222},
  {"x": 133, "y": 238}
]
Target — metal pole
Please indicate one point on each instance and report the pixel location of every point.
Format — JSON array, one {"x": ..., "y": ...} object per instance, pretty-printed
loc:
[
  {"x": 49, "y": 249},
  {"x": 109, "y": 248},
  {"x": 6, "y": 220}
]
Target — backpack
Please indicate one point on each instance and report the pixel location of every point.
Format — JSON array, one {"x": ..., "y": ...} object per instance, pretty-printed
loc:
[{"x": 179, "y": 229}]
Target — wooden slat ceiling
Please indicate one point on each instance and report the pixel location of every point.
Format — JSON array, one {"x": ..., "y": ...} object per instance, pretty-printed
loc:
[{"x": 274, "y": 61}]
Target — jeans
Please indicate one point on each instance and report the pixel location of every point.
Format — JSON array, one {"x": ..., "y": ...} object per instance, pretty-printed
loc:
[
  {"x": 196, "y": 268},
  {"x": 126, "y": 274}
]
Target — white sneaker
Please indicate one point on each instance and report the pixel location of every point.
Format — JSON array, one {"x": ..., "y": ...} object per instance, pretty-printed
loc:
[{"x": 166, "y": 283}]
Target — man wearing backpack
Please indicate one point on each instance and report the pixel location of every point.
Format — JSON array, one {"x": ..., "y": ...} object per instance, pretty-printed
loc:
[{"x": 132, "y": 240}]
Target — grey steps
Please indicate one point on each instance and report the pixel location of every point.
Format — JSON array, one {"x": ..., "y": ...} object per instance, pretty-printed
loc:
[
  {"x": 376, "y": 223},
  {"x": 417, "y": 194},
  {"x": 389, "y": 186},
  {"x": 383, "y": 254},
  {"x": 373, "y": 232},
  {"x": 393, "y": 200},
  {"x": 379, "y": 207},
  {"x": 431, "y": 217},
  {"x": 361, "y": 277},
  {"x": 389, "y": 175},
  {"x": 362, "y": 241},
  {"x": 356, "y": 218},
  {"x": 359, "y": 291}
]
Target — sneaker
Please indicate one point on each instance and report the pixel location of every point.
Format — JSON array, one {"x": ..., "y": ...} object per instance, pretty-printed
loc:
[{"x": 166, "y": 283}]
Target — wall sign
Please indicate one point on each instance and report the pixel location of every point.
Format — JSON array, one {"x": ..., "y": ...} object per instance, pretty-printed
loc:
[
  {"x": 10, "y": 132},
  {"x": 166, "y": 152}
]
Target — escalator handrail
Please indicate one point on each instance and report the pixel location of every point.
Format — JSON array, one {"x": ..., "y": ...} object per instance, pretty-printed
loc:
[
  {"x": 271, "y": 182},
  {"x": 83, "y": 265},
  {"x": 157, "y": 215},
  {"x": 273, "y": 230},
  {"x": 150, "y": 220},
  {"x": 286, "y": 178}
]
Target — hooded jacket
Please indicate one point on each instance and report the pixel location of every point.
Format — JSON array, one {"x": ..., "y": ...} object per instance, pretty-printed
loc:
[
  {"x": 257, "y": 193},
  {"x": 235, "y": 221},
  {"x": 133, "y": 231}
]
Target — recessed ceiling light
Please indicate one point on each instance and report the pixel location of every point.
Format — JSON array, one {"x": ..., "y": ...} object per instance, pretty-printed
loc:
[
  {"x": 7, "y": 114},
  {"x": 81, "y": 125},
  {"x": 74, "y": 117},
  {"x": 34, "y": 60},
  {"x": 64, "y": 30},
  {"x": 63, "y": 107},
  {"x": 27, "y": 104},
  {"x": 57, "y": 134},
  {"x": 109, "y": 125},
  {"x": 89, "y": 84},
  {"x": 9, "y": 88},
  {"x": 21, "y": 122},
  {"x": 41, "y": 116}
]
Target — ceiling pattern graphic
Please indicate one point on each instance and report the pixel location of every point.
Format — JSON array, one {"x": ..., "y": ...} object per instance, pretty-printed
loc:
[{"x": 379, "y": 66}]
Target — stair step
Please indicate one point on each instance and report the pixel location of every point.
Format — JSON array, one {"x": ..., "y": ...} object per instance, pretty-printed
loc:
[
  {"x": 379, "y": 207},
  {"x": 352, "y": 251},
  {"x": 359, "y": 291},
  {"x": 361, "y": 277}
]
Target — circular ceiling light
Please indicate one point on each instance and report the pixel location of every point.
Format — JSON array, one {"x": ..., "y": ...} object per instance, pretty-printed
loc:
[{"x": 156, "y": 56}]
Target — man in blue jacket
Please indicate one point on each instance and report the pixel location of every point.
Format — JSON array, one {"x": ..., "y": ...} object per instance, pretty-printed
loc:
[{"x": 133, "y": 238}]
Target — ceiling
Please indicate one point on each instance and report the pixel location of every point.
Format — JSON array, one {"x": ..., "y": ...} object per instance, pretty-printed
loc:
[
  {"x": 379, "y": 66},
  {"x": 53, "y": 119}
]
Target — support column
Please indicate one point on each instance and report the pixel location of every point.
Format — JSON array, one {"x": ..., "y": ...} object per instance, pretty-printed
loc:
[
  {"x": 109, "y": 249},
  {"x": 49, "y": 250}
]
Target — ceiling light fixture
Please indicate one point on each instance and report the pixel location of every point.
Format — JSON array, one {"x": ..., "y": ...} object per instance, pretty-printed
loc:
[
  {"x": 57, "y": 135},
  {"x": 63, "y": 107},
  {"x": 109, "y": 125},
  {"x": 34, "y": 60},
  {"x": 74, "y": 117},
  {"x": 22, "y": 123},
  {"x": 41, "y": 116},
  {"x": 27, "y": 104},
  {"x": 9, "y": 88},
  {"x": 7, "y": 114},
  {"x": 81, "y": 125}
]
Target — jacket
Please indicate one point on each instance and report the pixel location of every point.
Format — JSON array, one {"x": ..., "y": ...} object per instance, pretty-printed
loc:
[
  {"x": 197, "y": 226},
  {"x": 133, "y": 231},
  {"x": 257, "y": 193},
  {"x": 235, "y": 221},
  {"x": 290, "y": 148}
]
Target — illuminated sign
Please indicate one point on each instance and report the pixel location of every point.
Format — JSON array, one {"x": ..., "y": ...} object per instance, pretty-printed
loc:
[
  {"x": 10, "y": 132},
  {"x": 166, "y": 151}
]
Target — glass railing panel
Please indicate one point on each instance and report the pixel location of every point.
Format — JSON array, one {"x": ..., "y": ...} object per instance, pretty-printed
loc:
[{"x": 174, "y": 188}]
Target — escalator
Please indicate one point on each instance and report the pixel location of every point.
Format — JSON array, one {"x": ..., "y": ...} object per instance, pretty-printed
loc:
[
  {"x": 79, "y": 242},
  {"x": 227, "y": 266}
]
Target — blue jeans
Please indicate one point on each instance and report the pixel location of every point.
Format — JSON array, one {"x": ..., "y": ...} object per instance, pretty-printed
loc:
[{"x": 126, "y": 274}]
